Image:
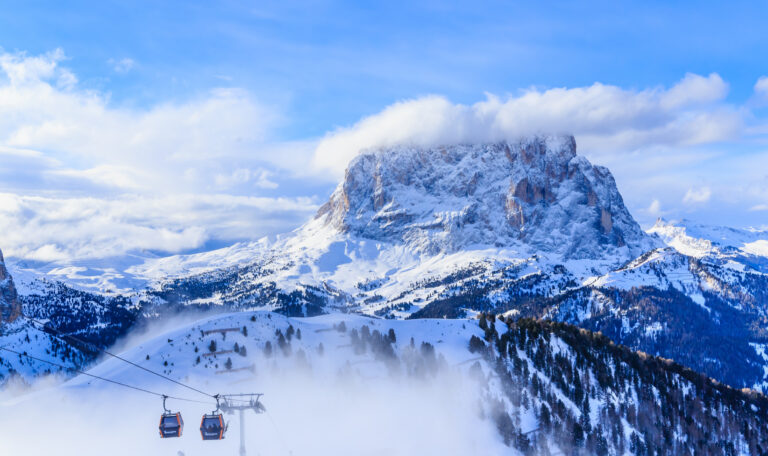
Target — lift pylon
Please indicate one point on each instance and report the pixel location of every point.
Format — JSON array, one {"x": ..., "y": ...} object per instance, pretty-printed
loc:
[{"x": 232, "y": 403}]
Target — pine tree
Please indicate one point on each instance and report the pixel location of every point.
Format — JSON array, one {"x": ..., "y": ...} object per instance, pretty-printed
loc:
[
  {"x": 505, "y": 427},
  {"x": 228, "y": 364},
  {"x": 212, "y": 346},
  {"x": 545, "y": 418},
  {"x": 476, "y": 344},
  {"x": 578, "y": 434},
  {"x": 483, "y": 322}
]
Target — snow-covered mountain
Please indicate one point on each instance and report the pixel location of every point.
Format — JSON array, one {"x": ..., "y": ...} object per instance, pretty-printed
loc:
[
  {"x": 742, "y": 249},
  {"x": 404, "y": 218},
  {"x": 532, "y": 197},
  {"x": 535, "y": 195},
  {"x": 9, "y": 300},
  {"x": 525, "y": 228}
]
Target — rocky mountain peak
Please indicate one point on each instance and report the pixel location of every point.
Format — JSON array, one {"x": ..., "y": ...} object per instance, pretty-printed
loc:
[
  {"x": 535, "y": 194},
  {"x": 10, "y": 307}
]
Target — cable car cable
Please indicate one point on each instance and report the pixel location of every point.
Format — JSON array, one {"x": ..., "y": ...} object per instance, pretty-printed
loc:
[
  {"x": 168, "y": 432},
  {"x": 110, "y": 354},
  {"x": 101, "y": 378},
  {"x": 279, "y": 434}
]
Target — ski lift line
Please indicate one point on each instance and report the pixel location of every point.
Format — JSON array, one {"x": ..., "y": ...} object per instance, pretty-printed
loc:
[
  {"x": 279, "y": 434},
  {"x": 61, "y": 336},
  {"x": 102, "y": 378}
]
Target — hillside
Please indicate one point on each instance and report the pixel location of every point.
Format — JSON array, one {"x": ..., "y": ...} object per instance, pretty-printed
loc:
[{"x": 533, "y": 386}]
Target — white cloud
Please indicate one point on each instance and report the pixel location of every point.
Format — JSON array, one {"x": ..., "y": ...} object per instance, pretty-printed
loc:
[
  {"x": 168, "y": 177},
  {"x": 694, "y": 89},
  {"x": 603, "y": 118},
  {"x": 21, "y": 69},
  {"x": 157, "y": 148},
  {"x": 697, "y": 195},
  {"x": 123, "y": 65},
  {"x": 258, "y": 178},
  {"x": 655, "y": 208},
  {"x": 51, "y": 229},
  {"x": 761, "y": 87}
]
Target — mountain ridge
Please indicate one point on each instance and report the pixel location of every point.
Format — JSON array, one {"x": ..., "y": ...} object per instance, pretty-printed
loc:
[{"x": 448, "y": 241}]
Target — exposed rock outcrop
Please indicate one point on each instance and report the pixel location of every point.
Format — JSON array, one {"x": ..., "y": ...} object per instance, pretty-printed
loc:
[
  {"x": 536, "y": 194},
  {"x": 10, "y": 307}
]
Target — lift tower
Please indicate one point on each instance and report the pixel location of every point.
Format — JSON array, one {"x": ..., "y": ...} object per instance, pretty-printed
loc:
[{"x": 241, "y": 403}]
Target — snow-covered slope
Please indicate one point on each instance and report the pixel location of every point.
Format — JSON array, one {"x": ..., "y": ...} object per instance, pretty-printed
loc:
[
  {"x": 348, "y": 384},
  {"x": 740, "y": 248}
]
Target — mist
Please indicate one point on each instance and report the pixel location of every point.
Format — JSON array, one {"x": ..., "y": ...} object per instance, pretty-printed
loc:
[{"x": 320, "y": 404}]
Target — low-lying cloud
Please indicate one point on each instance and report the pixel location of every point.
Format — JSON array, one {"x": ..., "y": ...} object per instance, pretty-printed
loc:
[
  {"x": 334, "y": 403},
  {"x": 603, "y": 117},
  {"x": 81, "y": 177},
  {"x": 659, "y": 142},
  {"x": 58, "y": 229}
]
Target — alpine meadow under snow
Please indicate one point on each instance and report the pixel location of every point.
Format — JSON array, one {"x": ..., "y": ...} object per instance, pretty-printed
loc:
[{"x": 489, "y": 298}]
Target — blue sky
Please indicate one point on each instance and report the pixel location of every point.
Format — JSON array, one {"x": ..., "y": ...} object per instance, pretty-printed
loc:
[
  {"x": 270, "y": 88},
  {"x": 334, "y": 62}
]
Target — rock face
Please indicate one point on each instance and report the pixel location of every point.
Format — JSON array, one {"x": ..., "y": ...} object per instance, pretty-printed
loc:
[
  {"x": 535, "y": 194},
  {"x": 10, "y": 307}
]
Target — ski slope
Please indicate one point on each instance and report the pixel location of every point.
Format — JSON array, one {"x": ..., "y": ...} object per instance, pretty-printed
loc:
[{"x": 341, "y": 402}]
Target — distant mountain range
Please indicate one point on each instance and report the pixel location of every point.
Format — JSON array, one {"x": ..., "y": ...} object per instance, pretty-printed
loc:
[{"x": 521, "y": 229}]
